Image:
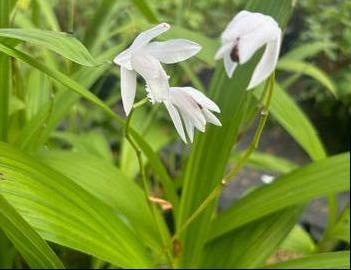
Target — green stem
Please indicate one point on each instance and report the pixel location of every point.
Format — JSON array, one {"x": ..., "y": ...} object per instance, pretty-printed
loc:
[
  {"x": 230, "y": 175},
  {"x": 152, "y": 206},
  {"x": 327, "y": 242},
  {"x": 5, "y": 73}
]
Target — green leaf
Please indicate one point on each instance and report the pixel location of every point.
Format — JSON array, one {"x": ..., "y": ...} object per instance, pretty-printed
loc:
[
  {"x": 62, "y": 43},
  {"x": 8, "y": 252},
  {"x": 32, "y": 247},
  {"x": 145, "y": 9},
  {"x": 250, "y": 246},
  {"x": 330, "y": 260},
  {"x": 100, "y": 22},
  {"x": 314, "y": 180},
  {"x": 341, "y": 229},
  {"x": 307, "y": 50},
  {"x": 298, "y": 241},
  {"x": 267, "y": 162},
  {"x": 207, "y": 161},
  {"x": 16, "y": 105},
  {"x": 109, "y": 185},
  {"x": 64, "y": 213},
  {"x": 46, "y": 7},
  {"x": 294, "y": 121},
  {"x": 311, "y": 70},
  {"x": 93, "y": 143}
]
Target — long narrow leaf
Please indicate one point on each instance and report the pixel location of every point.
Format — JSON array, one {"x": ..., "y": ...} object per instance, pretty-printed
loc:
[
  {"x": 32, "y": 247},
  {"x": 330, "y": 260},
  {"x": 64, "y": 213},
  {"x": 59, "y": 42},
  {"x": 315, "y": 180}
]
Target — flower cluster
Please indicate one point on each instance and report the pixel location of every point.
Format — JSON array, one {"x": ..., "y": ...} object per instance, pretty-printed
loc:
[{"x": 188, "y": 107}]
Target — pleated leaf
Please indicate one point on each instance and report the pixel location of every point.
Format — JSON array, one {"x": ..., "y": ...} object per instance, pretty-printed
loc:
[
  {"x": 315, "y": 180},
  {"x": 32, "y": 247},
  {"x": 61, "y": 43},
  {"x": 64, "y": 213},
  {"x": 330, "y": 260}
]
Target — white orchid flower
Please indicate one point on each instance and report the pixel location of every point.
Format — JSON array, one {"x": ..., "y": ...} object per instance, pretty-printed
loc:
[
  {"x": 193, "y": 107},
  {"x": 145, "y": 57},
  {"x": 243, "y": 36}
]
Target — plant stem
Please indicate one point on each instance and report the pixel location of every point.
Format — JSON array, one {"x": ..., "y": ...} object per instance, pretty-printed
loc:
[
  {"x": 268, "y": 91},
  {"x": 5, "y": 73},
  {"x": 138, "y": 153}
]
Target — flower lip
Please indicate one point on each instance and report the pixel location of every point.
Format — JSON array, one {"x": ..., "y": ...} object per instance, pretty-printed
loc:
[{"x": 234, "y": 54}]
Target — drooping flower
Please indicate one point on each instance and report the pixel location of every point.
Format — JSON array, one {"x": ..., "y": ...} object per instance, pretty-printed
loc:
[
  {"x": 243, "y": 36},
  {"x": 193, "y": 107},
  {"x": 145, "y": 57}
]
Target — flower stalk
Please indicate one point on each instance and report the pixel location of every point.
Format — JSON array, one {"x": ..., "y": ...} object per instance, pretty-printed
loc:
[
  {"x": 267, "y": 97},
  {"x": 146, "y": 189}
]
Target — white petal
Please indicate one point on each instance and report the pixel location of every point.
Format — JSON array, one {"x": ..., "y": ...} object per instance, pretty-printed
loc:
[
  {"x": 244, "y": 24},
  {"x": 187, "y": 105},
  {"x": 153, "y": 73},
  {"x": 188, "y": 126},
  {"x": 211, "y": 118},
  {"x": 199, "y": 97},
  {"x": 225, "y": 48},
  {"x": 251, "y": 42},
  {"x": 176, "y": 119},
  {"x": 145, "y": 37},
  {"x": 229, "y": 65},
  {"x": 123, "y": 59},
  {"x": 267, "y": 63},
  {"x": 128, "y": 88},
  {"x": 173, "y": 51}
]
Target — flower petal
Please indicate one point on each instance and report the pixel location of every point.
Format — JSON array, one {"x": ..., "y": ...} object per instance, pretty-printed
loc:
[
  {"x": 186, "y": 104},
  {"x": 199, "y": 97},
  {"x": 229, "y": 65},
  {"x": 176, "y": 119},
  {"x": 128, "y": 88},
  {"x": 251, "y": 42},
  {"x": 225, "y": 48},
  {"x": 145, "y": 37},
  {"x": 173, "y": 51},
  {"x": 211, "y": 118},
  {"x": 245, "y": 23},
  {"x": 267, "y": 63},
  {"x": 188, "y": 126},
  {"x": 154, "y": 75},
  {"x": 123, "y": 59}
]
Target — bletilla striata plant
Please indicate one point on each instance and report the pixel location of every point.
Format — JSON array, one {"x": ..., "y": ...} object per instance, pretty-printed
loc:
[
  {"x": 244, "y": 35},
  {"x": 188, "y": 107}
]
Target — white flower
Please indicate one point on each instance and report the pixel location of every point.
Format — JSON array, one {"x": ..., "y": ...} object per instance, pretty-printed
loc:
[
  {"x": 144, "y": 57},
  {"x": 243, "y": 36},
  {"x": 193, "y": 107}
]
